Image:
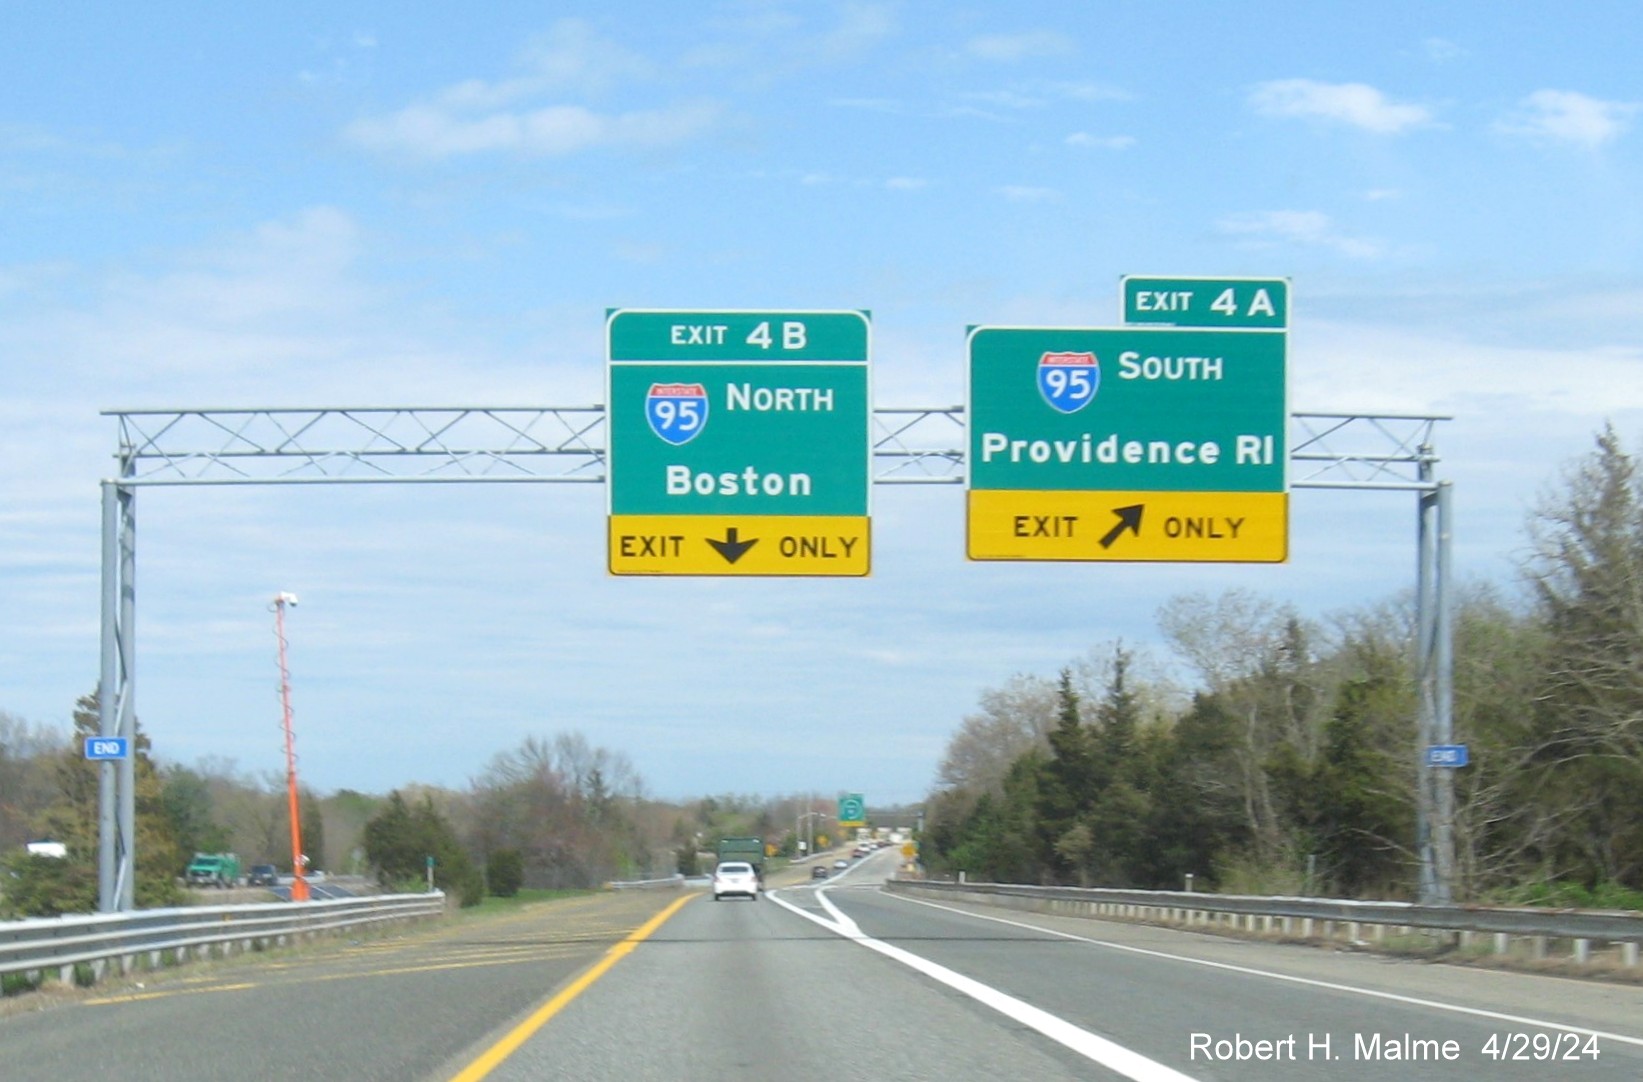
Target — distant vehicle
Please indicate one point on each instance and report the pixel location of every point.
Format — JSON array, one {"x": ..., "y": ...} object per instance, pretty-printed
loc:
[
  {"x": 819, "y": 872},
  {"x": 262, "y": 875},
  {"x": 841, "y": 863},
  {"x": 47, "y": 849},
  {"x": 735, "y": 878},
  {"x": 858, "y": 851},
  {"x": 213, "y": 870}
]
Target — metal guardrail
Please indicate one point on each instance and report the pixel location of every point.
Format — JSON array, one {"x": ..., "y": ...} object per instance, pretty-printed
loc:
[
  {"x": 674, "y": 881},
  {"x": 42, "y": 945},
  {"x": 1310, "y": 918}
]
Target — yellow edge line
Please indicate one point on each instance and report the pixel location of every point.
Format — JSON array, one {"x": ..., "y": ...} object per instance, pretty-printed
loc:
[{"x": 501, "y": 1050}]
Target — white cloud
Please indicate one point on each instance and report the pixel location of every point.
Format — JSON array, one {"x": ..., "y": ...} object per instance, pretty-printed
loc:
[
  {"x": 297, "y": 267},
  {"x": 434, "y": 132},
  {"x": 571, "y": 57},
  {"x": 279, "y": 313},
  {"x": 1005, "y": 99},
  {"x": 1309, "y": 228},
  {"x": 644, "y": 253},
  {"x": 906, "y": 184},
  {"x": 861, "y": 27},
  {"x": 1040, "y": 94},
  {"x": 28, "y": 277},
  {"x": 1564, "y": 116},
  {"x": 1367, "y": 368},
  {"x": 1441, "y": 50},
  {"x": 1100, "y": 142},
  {"x": 1022, "y": 193},
  {"x": 1353, "y": 104},
  {"x": 1012, "y": 48},
  {"x": 873, "y": 105},
  {"x": 478, "y": 116},
  {"x": 1092, "y": 92},
  {"x": 340, "y": 61},
  {"x": 765, "y": 42}
]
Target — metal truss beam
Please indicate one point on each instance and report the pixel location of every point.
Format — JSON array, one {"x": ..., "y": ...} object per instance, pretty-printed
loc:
[{"x": 565, "y": 444}]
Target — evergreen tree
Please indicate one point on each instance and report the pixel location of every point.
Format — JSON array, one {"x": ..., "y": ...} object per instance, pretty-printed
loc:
[
  {"x": 72, "y": 818},
  {"x": 504, "y": 873},
  {"x": 1588, "y": 579},
  {"x": 998, "y": 840},
  {"x": 401, "y": 840},
  {"x": 1066, "y": 788},
  {"x": 391, "y": 846},
  {"x": 1121, "y": 808},
  {"x": 186, "y": 798},
  {"x": 1350, "y": 809},
  {"x": 1200, "y": 817}
]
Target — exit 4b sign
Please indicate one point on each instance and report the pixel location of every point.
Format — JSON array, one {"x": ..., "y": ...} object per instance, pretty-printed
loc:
[{"x": 740, "y": 442}]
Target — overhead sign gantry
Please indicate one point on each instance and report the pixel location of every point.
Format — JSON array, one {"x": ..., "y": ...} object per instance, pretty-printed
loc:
[{"x": 554, "y": 444}]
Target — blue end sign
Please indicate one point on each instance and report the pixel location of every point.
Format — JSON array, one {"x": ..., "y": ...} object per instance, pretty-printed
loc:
[
  {"x": 1446, "y": 755},
  {"x": 105, "y": 748}
]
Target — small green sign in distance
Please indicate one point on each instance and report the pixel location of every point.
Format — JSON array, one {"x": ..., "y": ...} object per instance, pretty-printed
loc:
[{"x": 1230, "y": 303}]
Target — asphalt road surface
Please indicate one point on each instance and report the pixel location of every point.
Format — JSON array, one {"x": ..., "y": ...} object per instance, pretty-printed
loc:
[{"x": 828, "y": 980}]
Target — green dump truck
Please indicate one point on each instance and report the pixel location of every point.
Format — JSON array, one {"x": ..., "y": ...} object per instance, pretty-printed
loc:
[
  {"x": 213, "y": 870},
  {"x": 748, "y": 849}
]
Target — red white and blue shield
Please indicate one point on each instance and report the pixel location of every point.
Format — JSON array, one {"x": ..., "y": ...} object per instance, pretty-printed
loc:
[
  {"x": 1068, "y": 380},
  {"x": 677, "y": 412}
]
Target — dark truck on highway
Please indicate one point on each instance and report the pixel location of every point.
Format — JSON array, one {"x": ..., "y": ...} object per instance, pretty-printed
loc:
[{"x": 748, "y": 849}]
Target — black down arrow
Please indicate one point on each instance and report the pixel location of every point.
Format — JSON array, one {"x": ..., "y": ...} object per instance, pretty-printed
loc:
[{"x": 732, "y": 548}]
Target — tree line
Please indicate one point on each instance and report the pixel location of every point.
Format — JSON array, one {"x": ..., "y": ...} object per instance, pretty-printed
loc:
[
  {"x": 1290, "y": 762},
  {"x": 552, "y": 813}
]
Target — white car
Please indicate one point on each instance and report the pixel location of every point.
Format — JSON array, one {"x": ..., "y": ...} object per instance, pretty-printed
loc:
[{"x": 735, "y": 878}]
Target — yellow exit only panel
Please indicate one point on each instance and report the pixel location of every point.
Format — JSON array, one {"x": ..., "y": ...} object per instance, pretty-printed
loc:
[
  {"x": 798, "y": 545},
  {"x": 1185, "y": 527}
]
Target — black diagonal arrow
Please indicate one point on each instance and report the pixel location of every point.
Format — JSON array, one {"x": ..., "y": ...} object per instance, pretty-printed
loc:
[
  {"x": 1129, "y": 518},
  {"x": 732, "y": 548}
]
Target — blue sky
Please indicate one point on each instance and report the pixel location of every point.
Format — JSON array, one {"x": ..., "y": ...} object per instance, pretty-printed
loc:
[{"x": 359, "y": 204}]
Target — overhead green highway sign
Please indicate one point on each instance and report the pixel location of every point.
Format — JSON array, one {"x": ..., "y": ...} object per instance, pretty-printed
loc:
[
  {"x": 739, "y": 442},
  {"x": 1131, "y": 443}
]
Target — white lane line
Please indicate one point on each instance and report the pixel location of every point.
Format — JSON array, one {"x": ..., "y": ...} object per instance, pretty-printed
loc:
[
  {"x": 1114, "y": 1057},
  {"x": 1310, "y": 982}
]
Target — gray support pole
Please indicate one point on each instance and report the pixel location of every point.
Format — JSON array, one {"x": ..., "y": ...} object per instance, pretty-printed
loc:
[
  {"x": 128, "y": 703},
  {"x": 1425, "y": 682},
  {"x": 108, "y": 696},
  {"x": 1443, "y": 838}
]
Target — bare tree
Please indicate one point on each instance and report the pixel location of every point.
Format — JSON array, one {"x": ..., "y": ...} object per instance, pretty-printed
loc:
[
  {"x": 1256, "y": 658},
  {"x": 1011, "y": 720}
]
